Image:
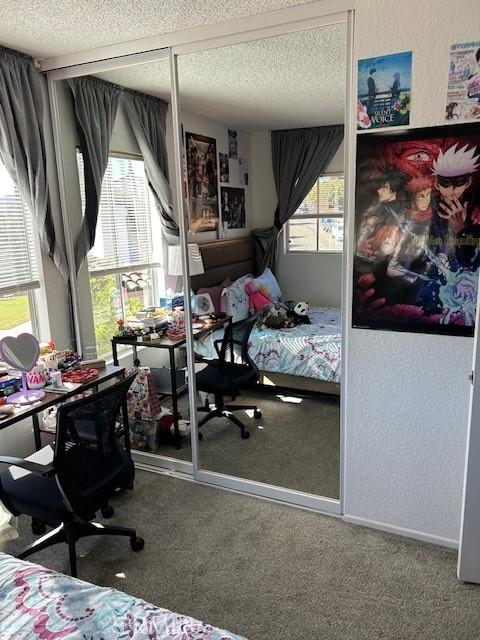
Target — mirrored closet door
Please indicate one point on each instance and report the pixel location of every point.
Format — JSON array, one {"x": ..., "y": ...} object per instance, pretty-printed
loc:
[
  {"x": 261, "y": 127},
  {"x": 114, "y": 129}
]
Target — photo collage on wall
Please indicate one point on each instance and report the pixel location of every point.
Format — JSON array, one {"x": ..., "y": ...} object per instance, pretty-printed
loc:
[
  {"x": 202, "y": 184},
  {"x": 417, "y": 230}
]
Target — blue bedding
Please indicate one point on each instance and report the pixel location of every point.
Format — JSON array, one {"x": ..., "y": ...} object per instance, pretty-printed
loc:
[
  {"x": 39, "y": 604},
  {"x": 309, "y": 350}
]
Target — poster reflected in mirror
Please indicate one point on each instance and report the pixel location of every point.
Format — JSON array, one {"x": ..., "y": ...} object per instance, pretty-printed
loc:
[
  {"x": 202, "y": 182},
  {"x": 233, "y": 207},
  {"x": 417, "y": 230}
]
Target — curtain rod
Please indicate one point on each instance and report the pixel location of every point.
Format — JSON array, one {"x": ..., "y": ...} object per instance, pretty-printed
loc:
[{"x": 119, "y": 87}]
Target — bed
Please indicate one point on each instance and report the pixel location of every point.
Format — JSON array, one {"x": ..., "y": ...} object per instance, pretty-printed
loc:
[
  {"x": 40, "y": 604},
  {"x": 306, "y": 357}
]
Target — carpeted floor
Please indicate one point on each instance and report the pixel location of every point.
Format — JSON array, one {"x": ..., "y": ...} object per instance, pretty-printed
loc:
[
  {"x": 295, "y": 445},
  {"x": 272, "y": 572}
]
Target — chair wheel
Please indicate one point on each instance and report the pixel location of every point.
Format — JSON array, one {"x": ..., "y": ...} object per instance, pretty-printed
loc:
[
  {"x": 38, "y": 527},
  {"x": 200, "y": 436},
  {"x": 257, "y": 414},
  {"x": 245, "y": 435},
  {"x": 137, "y": 543},
  {"x": 107, "y": 512}
]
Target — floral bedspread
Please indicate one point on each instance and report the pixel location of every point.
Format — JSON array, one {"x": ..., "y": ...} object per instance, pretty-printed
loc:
[
  {"x": 310, "y": 350},
  {"x": 39, "y": 604}
]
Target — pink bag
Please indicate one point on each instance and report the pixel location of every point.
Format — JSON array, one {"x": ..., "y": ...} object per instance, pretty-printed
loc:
[{"x": 257, "y": 298}]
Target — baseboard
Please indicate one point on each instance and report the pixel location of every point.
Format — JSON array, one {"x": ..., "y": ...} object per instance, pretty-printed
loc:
[{"x": 401, "y": 531}]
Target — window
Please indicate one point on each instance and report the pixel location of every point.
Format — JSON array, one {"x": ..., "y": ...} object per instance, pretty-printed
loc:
[
  {"x": 124, "y": 263},
  {"x": 18, "y": 261},
  {"x": 317, "y": 224}
]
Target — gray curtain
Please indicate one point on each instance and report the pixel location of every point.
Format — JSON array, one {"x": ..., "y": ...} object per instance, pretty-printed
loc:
[
  {"x": 146, "y": 115},
  {"x": 22, "y": 143},
  {"x": 299, "y": 156},
  {"x": 96, "y": 104}
]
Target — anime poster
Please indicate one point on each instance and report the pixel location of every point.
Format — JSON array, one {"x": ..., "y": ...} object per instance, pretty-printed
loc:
[
  {"x": 417, "y": 230},
  {"x": 463, "y": 97},
  {"x": 243, "y": 171},
  {"x": 233, "y": 207},
  {"x": 384, "y": 88},
  {"x": 202, "y": 182},
  {"x": 224, "y": 167},
  {"x": 232, "y": 144}
]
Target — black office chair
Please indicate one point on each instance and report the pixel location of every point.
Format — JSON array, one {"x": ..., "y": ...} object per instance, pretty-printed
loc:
[
  {"x": 223, "y": 377},
  {"x": 89, "y": 463}
]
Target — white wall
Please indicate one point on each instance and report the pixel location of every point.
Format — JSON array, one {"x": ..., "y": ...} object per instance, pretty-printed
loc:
[
  {"x": 407, "y": 394},
  {"x": 316, "y": 278}
]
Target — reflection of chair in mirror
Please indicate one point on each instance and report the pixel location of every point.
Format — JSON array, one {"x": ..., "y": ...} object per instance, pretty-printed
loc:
[
  {"x": 222, "y": 377},
  {"x": 89, "y": 463}
]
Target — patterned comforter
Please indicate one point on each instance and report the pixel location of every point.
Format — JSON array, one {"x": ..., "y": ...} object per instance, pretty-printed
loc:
[
  {"x": 40, "y": 604},
  {"x": 310, "y": 350}
]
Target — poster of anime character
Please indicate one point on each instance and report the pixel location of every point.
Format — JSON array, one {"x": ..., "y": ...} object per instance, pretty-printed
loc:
[
  {"x": 233, "y": 207},
  {"x": 232, "y": 144},
  {"x": 384, "y": 87},
  {"x": 202, "y": 182},
  {"x": 224, "y": 167},
  {"x": 463, "y": 96},
  {"x": 417, "y": 230},
  {"x": 243, "y": 171}
]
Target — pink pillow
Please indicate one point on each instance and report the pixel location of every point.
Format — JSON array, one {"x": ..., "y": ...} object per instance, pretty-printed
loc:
[{"x": 216, "y": 293}]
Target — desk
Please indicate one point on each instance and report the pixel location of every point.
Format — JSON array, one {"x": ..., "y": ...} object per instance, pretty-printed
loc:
[
  {"x": 52, "y": 398},
  {"x": 173, "y": 389}
]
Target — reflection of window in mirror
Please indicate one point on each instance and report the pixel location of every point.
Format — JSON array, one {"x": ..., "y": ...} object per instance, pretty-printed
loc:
[
  {"x": 125, "y": 262},
  {"x": 317, "y": 224}
]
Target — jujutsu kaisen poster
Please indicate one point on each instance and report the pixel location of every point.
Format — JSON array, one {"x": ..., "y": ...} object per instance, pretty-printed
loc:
[
  {"x": 384, "y": 87},
  {"x": 417, "y": 226}
]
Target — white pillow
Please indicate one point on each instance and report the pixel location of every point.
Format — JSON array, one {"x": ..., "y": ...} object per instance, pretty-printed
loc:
[
  {"x": 236, "y": 298},
  {"x": 268, "y": 284}
]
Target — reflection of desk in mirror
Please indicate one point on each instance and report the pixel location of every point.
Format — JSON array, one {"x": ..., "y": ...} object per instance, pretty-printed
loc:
[
  {"x": 173, "y": 383},
  {"x": 53, "y": 397}
]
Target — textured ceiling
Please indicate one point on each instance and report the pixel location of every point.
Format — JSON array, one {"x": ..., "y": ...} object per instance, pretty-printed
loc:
[
  {"x": 45, "y": 28},
  {"x": 294, "y": 80}
]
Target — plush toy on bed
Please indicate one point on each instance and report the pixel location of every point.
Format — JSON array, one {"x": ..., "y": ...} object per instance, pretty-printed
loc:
[
  {"x": 258, "y": 299},
  {"x": 275, "y": 317},
  {"x": 299, "y": 313}
]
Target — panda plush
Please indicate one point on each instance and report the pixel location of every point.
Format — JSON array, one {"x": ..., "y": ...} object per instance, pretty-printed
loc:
[{"x": 299, "y": 313}]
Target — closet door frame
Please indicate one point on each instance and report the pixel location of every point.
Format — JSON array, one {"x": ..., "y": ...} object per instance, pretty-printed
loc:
[{"x": 275, "y": 23}]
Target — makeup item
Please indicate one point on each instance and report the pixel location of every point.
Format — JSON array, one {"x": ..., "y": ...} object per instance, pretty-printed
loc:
[{"x": 56, "y": 379}]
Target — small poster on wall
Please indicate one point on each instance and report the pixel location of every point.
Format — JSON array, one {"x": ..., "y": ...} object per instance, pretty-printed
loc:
[
  {"x": 243, "y": 171},
  {"x": 232, "y": 144},
  {"x": 463, "y": 97},
  {"x": 417, "y": 230},
  {"x": 202, "y": 182},
  {"x": 233, "y": 207},
  {"x": 384, "y": 89},
  {"x": 224, "y": 167}
]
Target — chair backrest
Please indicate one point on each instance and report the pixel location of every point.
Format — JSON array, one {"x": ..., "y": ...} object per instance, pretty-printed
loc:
[
  {"x": 238, "y": 335},
  {"x": 89, "y": 456}
]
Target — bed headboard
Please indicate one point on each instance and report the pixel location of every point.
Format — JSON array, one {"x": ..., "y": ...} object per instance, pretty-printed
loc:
[{"x": 224, "y": 259}]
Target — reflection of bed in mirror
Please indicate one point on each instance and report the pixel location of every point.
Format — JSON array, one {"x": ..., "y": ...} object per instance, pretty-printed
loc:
[{"x": 305, "y": 357}]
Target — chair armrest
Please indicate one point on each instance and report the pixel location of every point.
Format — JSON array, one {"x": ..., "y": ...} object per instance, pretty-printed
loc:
[{"x": 39, "y": 469}]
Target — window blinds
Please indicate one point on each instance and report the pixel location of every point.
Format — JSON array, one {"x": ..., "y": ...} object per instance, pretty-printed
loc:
[
  {"x": 325, "y": 199},
  {"x": 18, "y": 256},
  {"x": 125, "y": 237}
]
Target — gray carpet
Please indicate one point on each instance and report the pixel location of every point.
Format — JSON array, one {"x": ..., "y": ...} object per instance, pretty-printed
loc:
[
  {"x": 272, "y": 572},
  {"x": 295, "y": 445}
]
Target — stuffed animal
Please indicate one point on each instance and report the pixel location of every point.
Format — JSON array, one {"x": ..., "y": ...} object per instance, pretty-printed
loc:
[
  {"x": 257, "y": 298},
  {"x": 299, "y": 313}
]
